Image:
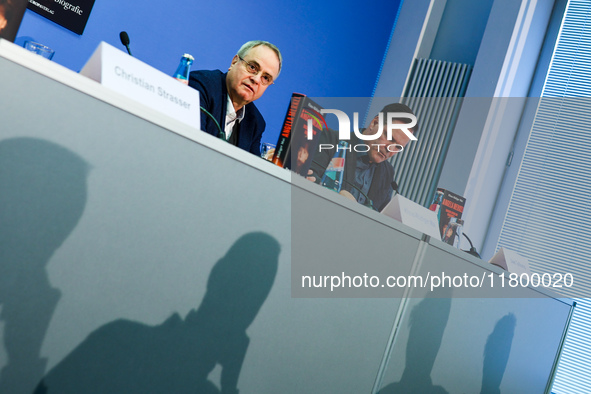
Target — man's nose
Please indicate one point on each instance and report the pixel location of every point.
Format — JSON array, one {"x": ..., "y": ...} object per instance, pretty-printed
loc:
[{"x": 256, "y": 78}]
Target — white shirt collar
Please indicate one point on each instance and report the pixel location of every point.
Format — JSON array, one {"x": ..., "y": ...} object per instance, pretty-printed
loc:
[
  {"x": 231, "y": 114},
  {"x": 232, "y": 117}
]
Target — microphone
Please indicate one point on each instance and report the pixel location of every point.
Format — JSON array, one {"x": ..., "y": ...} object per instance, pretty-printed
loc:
[
  {"x": 472, "y": 250},
  {"x": 368, "y": 202},
  {"x": 222, "y": 134},
  {"x": 394, "y": 186},
  {"x": 125, "y": 41}
]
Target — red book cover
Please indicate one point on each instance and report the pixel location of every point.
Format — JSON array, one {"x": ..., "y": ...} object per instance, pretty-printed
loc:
[
  {"x": 452, "y": 206},
  {"x": 296, "y": 144},
  {"x": 285, "y": 136}
]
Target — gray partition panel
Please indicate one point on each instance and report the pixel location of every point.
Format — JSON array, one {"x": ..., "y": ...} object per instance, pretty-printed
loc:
[
  {"x": 138, "y": 255},
  {"x": 137, "y": 260},
  {"x": 452, "y": 342},
  {"x": 331, "y": 240}
]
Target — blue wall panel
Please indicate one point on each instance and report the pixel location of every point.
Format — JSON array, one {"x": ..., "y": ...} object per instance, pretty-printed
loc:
[{"x": 330, "y": 48}]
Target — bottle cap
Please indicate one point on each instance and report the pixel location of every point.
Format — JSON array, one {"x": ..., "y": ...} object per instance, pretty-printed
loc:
[{"x": 188, "y": 56}]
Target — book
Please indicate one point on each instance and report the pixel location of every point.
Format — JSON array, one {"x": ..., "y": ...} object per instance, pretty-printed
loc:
[
  {"x": 296, "y": 145},
  {"x": 11, "y": 15},
  {"x": 449, "y": 207}
]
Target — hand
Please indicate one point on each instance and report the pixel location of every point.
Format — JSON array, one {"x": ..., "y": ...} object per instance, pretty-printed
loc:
[
  {"x": 269, "y": 154},
  {"x": 311, "y": 177},
  {"x": 348, "y": 195}
]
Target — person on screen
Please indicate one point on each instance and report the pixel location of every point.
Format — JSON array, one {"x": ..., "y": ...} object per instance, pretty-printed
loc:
[
  {"x": 228, "y": 97},
  {"x": 5, "y": 13},
  {"x": 369, "y": 177}
]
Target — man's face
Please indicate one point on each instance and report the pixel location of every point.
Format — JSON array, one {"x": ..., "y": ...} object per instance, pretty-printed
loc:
[
  {"x": 244, "y": 87},
  {"x": 382, "y": 149}
]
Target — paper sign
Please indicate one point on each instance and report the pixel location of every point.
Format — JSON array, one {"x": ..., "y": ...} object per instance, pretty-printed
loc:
[
  {"x": 413, "y": 215},
  {"x": 138, "y": 81},
  {"x": 511, "y": 261}
]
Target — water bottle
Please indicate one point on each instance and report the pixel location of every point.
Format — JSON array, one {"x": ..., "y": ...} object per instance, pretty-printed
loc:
[
  {"x": 333, "y": 176},
  {"x": 182, "y": 72}
]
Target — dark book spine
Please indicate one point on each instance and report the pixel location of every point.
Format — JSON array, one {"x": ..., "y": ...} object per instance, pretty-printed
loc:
[{"x": 293, "y": 111}]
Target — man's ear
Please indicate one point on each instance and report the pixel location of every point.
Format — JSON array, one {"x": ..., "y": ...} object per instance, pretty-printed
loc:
[
  {"x": 235, "y": 60},
  {"x": 375, "y": 122}
]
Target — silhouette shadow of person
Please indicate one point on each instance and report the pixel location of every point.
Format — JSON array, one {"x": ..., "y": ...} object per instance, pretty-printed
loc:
[
  {"x": 496, "y": 354},
  {"x": 177, "y": 356},
  {"x": 427, "y": 321},
  {"x": 42, "y": 196}
]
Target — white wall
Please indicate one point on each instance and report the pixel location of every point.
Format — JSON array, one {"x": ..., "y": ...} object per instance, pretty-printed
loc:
[{"x": 505, "y": 60}]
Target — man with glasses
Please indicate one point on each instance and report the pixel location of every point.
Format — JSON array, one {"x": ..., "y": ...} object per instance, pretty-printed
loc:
[
  {"x": 227, "y": 108},
  {"x": 369, "y": 176}
]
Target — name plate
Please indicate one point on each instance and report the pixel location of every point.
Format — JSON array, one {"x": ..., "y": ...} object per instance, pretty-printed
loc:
[
  {"x": 138, "y": 81},
  {"x": 413, "y": 215},
  {"x": 511, "y": 261}
]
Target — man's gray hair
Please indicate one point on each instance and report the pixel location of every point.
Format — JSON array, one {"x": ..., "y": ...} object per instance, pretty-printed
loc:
[{"x": 251, "y": 44}]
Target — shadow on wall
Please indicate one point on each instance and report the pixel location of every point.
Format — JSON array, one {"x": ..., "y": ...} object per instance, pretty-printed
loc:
[
  {"x": 42, "y": 197},
  {"x": 496, "y": 354},
  {"x": 177, "y": 356},
  {"x": 428, "y": 320},
  {"x": 427, "y": 325}
]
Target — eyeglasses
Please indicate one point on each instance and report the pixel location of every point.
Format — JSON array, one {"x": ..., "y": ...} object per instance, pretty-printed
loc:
[{"x": 254, "y": 69}]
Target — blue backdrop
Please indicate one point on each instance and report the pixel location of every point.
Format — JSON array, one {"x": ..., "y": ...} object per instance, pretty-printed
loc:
[{"x": 330, "y": 48}]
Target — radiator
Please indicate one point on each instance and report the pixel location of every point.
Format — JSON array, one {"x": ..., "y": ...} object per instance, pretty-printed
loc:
[{"x": 434, "y": 92}]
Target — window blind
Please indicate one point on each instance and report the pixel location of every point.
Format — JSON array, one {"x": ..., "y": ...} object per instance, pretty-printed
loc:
[{"x": 549, "y": 215}]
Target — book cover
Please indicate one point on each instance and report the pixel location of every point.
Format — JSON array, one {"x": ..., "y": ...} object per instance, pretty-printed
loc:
[
  {"x": 296, "y": 144},
  {"x": 71, "y": 14},
  {"x": 11, "y": 14},
  {"x": 450, "y": 213}
]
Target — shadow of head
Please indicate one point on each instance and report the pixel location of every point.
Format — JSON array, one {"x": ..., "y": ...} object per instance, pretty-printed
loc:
[
  {"x": 496, "y": 353},
  {"x": 240, "y": 282},
  {"x": 43, "y": 194},
  {"x": 427, "y": 322}
]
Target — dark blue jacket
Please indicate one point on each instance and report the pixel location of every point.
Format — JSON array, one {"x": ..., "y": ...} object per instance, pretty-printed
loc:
[{"x": 213, "y": 96}]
